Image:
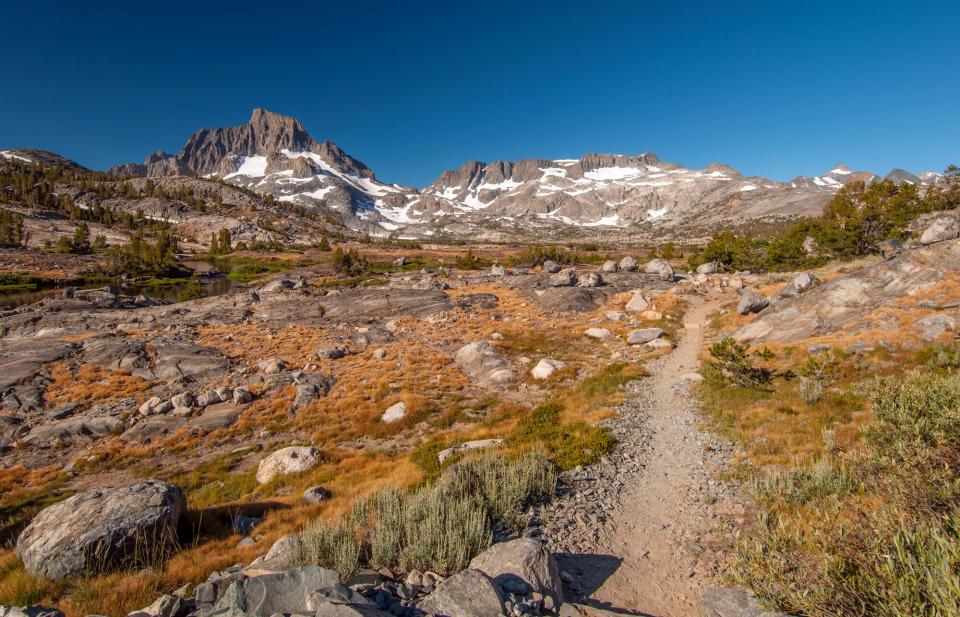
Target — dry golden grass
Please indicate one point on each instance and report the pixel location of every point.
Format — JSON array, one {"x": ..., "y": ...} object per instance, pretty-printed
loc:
[{"x": 89, "y": 384}]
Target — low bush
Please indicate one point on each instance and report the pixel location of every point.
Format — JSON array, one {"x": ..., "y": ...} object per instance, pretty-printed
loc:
[
  {"x": 567, "y": 444},
  {"x": 732, "y": 364},
  {"x": 438, "y": 527}
]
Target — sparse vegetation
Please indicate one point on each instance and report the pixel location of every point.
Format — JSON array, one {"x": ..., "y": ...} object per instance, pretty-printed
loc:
[{"x": 732, "y": 364}]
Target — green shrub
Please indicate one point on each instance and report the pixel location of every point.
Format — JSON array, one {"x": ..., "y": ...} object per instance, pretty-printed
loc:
[
  {"x": 732, "y": 364},
  {"x": 940, "y": 356},
  {"x": 568, "y": 445},
  {"x": 438, "y": 527}
]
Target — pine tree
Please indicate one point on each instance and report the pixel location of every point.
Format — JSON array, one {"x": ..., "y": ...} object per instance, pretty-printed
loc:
[
  {"x": 225, "y": 241},
  {"x": 214, "y": 244},
  {"x": 81, "y": 240}
]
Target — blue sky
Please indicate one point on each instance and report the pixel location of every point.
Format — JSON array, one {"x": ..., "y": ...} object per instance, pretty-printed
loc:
[{"x": 413, "y": 88}]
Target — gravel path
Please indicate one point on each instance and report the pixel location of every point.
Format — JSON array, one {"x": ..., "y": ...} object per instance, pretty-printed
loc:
[{"x": 643, "y": 531}]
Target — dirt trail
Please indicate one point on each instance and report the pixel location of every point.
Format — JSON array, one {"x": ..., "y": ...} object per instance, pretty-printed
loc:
[{"x": 665, "y": 509}]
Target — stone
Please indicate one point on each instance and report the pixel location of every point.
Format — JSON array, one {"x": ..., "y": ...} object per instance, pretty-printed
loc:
[
  {"x": 637, "y": 303},
  {"x": 498, "y": 270},
  {"x": 891, "y": 248},
  {"x": 100, "y": 526},
  {"x": 614, "y": 315},
  {"x": 609, "y": 266},
  {"x": 283, "y": 552},
  {"x": 644, "y": 335},
  {"x": 310, "y": 387},
  {"x": 932, "y": 326},
  {"x": 751, "y": 302},
  {"x": 598, "y": 333},
  {"x": 545, "y": 368},
  {"x": 629, "y": 264},
  {"x": 524, "y": 563},
  {"x": 708, "y": 268},
  {"x": 941, "y": 229},
  {"x": 316, "y": 494},
  {"x": 730, "y": 602},
  {"x": 550, "y": 267},
  {"x": 331, "y": 353},
  {"x": 804, "y": 281},
  {"x": 184, "y": 399},
  {"x": 466, "y": 446},
  {"x": 590, "y": 279},
  {"x": 481, "y": 363},
  {"x": 659, "y": 343},
  {"x": 656, "y": 266},
  {"x": 379, "y": 354},
  {"x": 271, "y": 366},
  {"x": 241, "y": 396},
  {"x": 394, "y": 413},
  {"x": 294, "y": 459},
  {"x": 564, "y": 278},
  {"x": 469, "y": 593},
  {"x": 169, "y": 605},
  {"x": 268, "y": 594},
  {"x": 29, "y": 611}
]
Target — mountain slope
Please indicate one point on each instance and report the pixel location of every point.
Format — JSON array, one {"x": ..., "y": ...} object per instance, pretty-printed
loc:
[{"x": 595, "y": 194}]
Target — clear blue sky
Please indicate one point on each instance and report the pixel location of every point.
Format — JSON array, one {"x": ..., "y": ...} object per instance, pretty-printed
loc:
[{"x": 412, "y": 88}]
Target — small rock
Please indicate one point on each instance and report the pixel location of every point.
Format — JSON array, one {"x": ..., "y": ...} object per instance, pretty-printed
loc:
[
  {"x": 598, "y": 333},
  {"x": 394, "y": 412}
]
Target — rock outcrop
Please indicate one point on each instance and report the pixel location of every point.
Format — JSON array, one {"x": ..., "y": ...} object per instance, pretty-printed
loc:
[
  {"x": 520, "y": 566},
  {"x": 294, "y": 459},
  {"x": 482, "y": 364}
]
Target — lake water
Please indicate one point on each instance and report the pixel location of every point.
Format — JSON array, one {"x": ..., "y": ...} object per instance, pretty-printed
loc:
[{"x": 212, "y": 286}]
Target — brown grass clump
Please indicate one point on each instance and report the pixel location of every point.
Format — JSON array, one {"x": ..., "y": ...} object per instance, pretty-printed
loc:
[{"x": 91, "y": 384}]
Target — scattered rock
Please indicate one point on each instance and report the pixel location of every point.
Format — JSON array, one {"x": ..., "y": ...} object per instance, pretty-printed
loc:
[
  {"x": 271, "y": 366},
  {"x": 629, "y": 264},
  {"x": 394, "y": 413},
  {"x": 470, "y": 593},
  {"x": 316, "y": 494},
  {"x": 545, "y": 368},
  {"x": 331, "y": 353},
  {"x": 751, "y": 302},
  {"x": 932, "y": 326},
  {"x": 100, "y": 526},
  {"x": 498, "y": 270},
  {"x": 637, "y": 303},
  {"x": 609, "y": 266},
  {"x": 598, "y": 333},
  {"x": 644, "y": 335},
  {"x": 293, "y": 459},
  {"x": 591, "y": 279},
  {"x": 286, "y": 592},
  {"x": 708, "y": 268},
  {"x": 728, "y": 602},
  {"x": 242, "y": 396},
  {"x": 467, "y": 445},
  {"x": 564, "y": 278},
  {"x": 660, "y": 343},
  {"x": 29, "y": 611},
  {"x": 551, "y": 267},
  {"x": 482, "y": 364}
]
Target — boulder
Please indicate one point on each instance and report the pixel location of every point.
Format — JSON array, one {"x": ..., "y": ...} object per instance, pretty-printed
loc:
[
  {"x": 661, "y": 268},
  {"x": 271, "y": 366},
  {"x": 545, "y": 368},
  {"x": 597, "y": 333},
  {"x": 729, "y": 602},
  {"x": 466, "y": 446},
  {"x": 564, "y": 278},
  {"x": 184, "y": 399},
  {"x": 242, "y": 396},
  {"x": 943, "y": 228},
  {"x": 294, "y": 459},
  {"x": 804, "y": 281},
  {"x": 521, "y": 566},
  {"x": 637, "y": 303},
  {"x": 751, "y": 302},
  {"x": 285, "y": 592},
  {"x": 609, "y": 266},
  {"x": 310, "y": 387},
  {"x": 551, "y": 267},
  {"x": 590, "y": 279},
  {"x": 169, "y": 605},
  {"x": 285, "y": 551},
  {"x": 708, "y": 268},
  {"x": 470, "y": 593},
  {"x": 659, "y": 343},
  {"x": 498, "y": 270},
  {"x": 394, "y": 413},
  {"x": 104, "y": 527},
  {"x": 482, "y": 364},
  {"x": 891, "y": 248},
  {"x": 629, "y": 264},
  {"x": 644, "y": 335}
]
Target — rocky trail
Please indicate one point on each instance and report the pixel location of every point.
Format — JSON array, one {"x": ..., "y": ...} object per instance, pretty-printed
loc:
[{"x": 640, "y": 533}]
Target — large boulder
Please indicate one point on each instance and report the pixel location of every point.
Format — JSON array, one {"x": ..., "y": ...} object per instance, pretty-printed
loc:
[
  {"x": 629, "y": 264},
  {"x": 289, "y": 591},
  {"x": 609, "y": 266},
  {"x": 101, "y": 528},
  {"x": 482, "y": 364},
  {"x": 656, "y": 266},
  {"x": 751, "y": 302},
  {"x": 520, "y": 566},
  {"x": 943, "y": 228},
  {"x": 470, "y": 593},
  {"x": 294, "y": 459},
  {"x": 729, "y": 602},
  {"x": 591, "y": 279},
  {"x": 551, "y": 267},
  {"x": 708, "y": 268}
]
